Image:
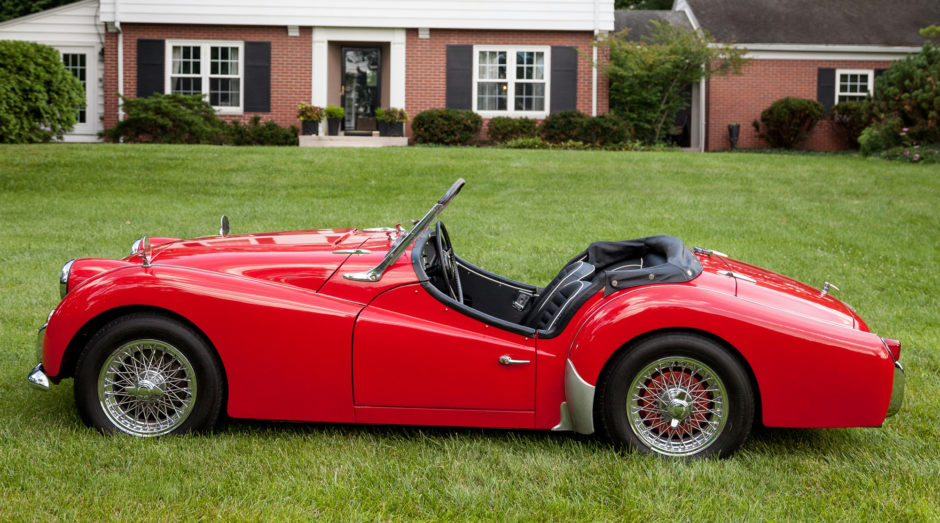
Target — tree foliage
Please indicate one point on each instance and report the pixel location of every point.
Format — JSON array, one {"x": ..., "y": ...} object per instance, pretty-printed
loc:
[
  {"x": 647, "y": 78},
  {"x": 908, "y": 92},
  {"x": 10, "y": 9},
  {"x": 39, "y": 97}
]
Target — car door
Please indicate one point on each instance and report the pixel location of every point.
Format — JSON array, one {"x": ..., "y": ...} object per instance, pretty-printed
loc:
[{"x": 410, "y": 350}]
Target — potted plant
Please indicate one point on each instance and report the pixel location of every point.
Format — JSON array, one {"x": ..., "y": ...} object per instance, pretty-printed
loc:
[
  {"x": 334, "y": 116},
  {"x": 309, "y": 116},
  {"x": 734, "y": 132},
  {"x": 391, "y": 121}
]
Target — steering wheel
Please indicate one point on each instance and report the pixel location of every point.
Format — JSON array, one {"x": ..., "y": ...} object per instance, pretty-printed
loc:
[{"x": 445, "y": 252}]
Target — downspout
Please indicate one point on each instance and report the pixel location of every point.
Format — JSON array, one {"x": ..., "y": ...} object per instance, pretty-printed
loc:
[
  {"x": 701, "y": 113},
  {"x": 120, "y": 59},
  {"x": 594, "y": 65}
]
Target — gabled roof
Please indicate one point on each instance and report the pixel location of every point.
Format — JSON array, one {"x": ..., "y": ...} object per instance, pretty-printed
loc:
[
  {"x": 638, "y": 21},
  {"x": 827, "y": 22}
]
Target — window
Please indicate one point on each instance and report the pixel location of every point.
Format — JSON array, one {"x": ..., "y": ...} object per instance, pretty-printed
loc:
[
  {"x": 853, "y": 85},
  {"x": 75, "y": 63},
  {"x": 213, "y": 69},
  {"x": 511, "y": 81}
]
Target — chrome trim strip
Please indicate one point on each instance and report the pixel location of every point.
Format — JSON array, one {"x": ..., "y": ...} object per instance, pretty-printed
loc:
[
  {"x": 352, "y": 251},
  {"x": 404, "y": 240},
  {"x": 737, "y": 276},
  {"x": 64, "y": 278},
  {"x": 897, "y": 390},
  {"x": 579, "y": 395},
  {"x": 40, "y": 337},
  {"x": 37, "y": 379}
]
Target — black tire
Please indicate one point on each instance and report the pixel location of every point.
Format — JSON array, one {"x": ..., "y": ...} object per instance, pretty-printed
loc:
[
  {"x": 148, "y": 375},
  {"x": 677, "y": 395}
]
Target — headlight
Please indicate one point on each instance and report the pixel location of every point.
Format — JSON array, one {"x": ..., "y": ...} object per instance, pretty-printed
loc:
[{"x": 64, "y": 278}]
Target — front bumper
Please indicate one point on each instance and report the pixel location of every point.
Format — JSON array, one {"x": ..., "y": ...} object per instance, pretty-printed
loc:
[{"x": 897, "y": 390}]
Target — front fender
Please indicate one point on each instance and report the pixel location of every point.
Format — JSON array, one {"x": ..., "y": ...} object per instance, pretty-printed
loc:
[
  {"x": 285, "y": 351},
  {"x": 809, "y": 373}
]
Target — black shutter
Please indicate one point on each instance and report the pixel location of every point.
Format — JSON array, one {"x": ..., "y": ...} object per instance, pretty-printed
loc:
[
  {"x": 150, "y": 67},
  {"x": 459, "y": 77},
  {"x": 564, "y": 79},
  {"x": 258, "y": 77},
  {"x": 826, "y": 87}
]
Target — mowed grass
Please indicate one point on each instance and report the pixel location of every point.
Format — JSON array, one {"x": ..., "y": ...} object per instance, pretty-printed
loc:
[{"x": 867, "y": 225}]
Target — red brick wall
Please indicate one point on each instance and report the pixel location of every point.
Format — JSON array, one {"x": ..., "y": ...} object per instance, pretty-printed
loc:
[
  {"x": 426, "y": 67},
  {"x": 291, "y": 64},
  {"x": 741, "y": 98}
]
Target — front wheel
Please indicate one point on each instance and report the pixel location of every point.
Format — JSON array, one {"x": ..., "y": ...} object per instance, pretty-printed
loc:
[
  {"x": 148, "y": 375},
  {"x": 677, "y": 395}
]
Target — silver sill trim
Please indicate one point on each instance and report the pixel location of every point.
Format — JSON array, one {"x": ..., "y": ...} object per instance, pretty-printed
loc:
[
  {"x": 579, "y": 395},
  {"x": 565, "y": 423},
  {"x": 897, "y": 391}
]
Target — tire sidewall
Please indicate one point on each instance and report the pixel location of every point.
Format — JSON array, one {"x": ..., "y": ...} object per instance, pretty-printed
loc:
[
  {"x": 148, "y": 326},
  {"x": 740, "y": 399}
]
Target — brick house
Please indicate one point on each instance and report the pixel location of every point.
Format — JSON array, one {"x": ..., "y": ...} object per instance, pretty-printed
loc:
[
  {"x": 827, "y": 51},
  {"x": 522, "y": 58}
]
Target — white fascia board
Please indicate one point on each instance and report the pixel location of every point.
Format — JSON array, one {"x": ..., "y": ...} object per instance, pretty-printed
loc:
[
  {"x": 682, "y": 5},
  {"x": 759, "y": 51},
  {"x": 48, "y": 12}
]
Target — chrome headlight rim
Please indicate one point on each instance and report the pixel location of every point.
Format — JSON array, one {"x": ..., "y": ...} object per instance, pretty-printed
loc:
[{"x": 64, "y": 278}]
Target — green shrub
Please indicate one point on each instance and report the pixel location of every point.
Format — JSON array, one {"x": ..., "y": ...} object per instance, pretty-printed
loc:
[
  {"x": 561, "y": 127},
  {"x": 526, "y": 142},
  {"x": 788, "y": 121},
  {"x": 168, "y": 118},
  {"x": 602, "y": 130},
  {"x": 880, "y": 136},
  {"x": 39, "y": 97},
  {"x": 929, "y": 153},
  {"x": 334, "y": 112},
  {"x": 503, "y": 129},
  {"x": 850, "y": 119},
  {"x": 256, "y": 133},
  {"x": 908, "y": 90},
  {"x": 446, "y": 126}
]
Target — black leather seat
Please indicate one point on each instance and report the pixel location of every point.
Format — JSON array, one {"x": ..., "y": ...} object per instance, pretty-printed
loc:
[{"x": 555, "y": 299}]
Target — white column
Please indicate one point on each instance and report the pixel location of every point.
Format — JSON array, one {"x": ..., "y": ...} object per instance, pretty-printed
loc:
[{"x": 396, "y": 76}]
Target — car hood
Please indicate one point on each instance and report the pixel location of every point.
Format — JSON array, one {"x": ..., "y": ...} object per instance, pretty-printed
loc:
[
  {"x": 305, "y": 259},
  {"x": 777, "y": 291}
]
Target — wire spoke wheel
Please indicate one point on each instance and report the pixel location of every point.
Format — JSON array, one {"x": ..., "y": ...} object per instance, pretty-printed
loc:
[
  {"x": 147, "y": 387},
  {"x": 678, "y": 406}
]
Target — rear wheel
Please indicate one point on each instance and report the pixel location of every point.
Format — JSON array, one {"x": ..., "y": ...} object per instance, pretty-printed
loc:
[
  {"x": 677, "y": 395},
  {"x": 148, "y": 375}
]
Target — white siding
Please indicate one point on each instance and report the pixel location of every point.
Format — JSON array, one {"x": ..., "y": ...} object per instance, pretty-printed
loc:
[
  {"x": 72, "y": 28},
  {"x": 556, "y": 15}
]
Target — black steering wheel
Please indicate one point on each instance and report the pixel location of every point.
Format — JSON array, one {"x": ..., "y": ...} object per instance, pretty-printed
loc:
[{"x": 445, "y": 253}]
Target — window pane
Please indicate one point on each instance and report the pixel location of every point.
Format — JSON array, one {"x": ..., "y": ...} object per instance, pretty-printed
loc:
[
  {"x": 224, "y": 60},
  {"x": 186, "y": 59},
  {"x": 224, "y": 92},
  {"x": 492, "y": 65},
  {"x": 186, "y": 85},
  {"x": 75, "y": 63},
  {"x": 530, "y": 97},
  {"x": 491, "y": 96},
  {"x": 530, "y": 65}
]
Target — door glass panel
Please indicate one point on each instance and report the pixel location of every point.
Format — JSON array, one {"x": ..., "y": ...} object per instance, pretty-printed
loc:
[
  {"x": 75, "y": 63},
  {"x": 361, "y": 86}
]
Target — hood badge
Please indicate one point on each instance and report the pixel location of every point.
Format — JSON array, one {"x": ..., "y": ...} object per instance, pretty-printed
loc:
[
  {"x": 826, "y": 287},
  {"x": 224, "y": 226}
]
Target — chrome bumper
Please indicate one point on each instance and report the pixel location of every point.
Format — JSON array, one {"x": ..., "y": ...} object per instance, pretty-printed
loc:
[
  {"x": 37, "y": 378},
  {"x": 897, "y": 390}
]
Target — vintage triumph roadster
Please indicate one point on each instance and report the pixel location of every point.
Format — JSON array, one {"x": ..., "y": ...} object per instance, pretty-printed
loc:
[{"x": 659, "y": 347}]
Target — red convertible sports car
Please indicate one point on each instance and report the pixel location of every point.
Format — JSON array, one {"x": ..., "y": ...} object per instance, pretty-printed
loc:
[{"x": 659, "y": 347}]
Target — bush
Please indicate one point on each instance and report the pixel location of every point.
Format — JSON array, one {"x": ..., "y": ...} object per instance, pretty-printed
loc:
[
  {"x": 909, "y": 91},
  {"x": 561, "y": 127},
  {"x": 880, "y": 136},
  {"x": 602, "y": 130},
  {"x": 446, "y": 126},
  {"x": 391, "y": 115},
  {"x": 256, "y": 133},
  {"x": 527, "y": 142},
  {"x": 914, "y": 154},
  {"x": 503, "y": 129},
  {"x": 39, "y": 97},
  {"x": 788, "y": 121},
  {"x": 850, "y": 119}
]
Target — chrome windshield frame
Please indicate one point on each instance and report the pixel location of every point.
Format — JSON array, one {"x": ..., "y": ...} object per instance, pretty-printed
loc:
[{"x": 407, "y": 238}]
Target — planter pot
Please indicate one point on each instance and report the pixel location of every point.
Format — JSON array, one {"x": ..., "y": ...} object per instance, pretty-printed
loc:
[
  {"x": 309, "y": 128},
  {"x": 383, "y": 128},
  {"x": 333, "y": 126},
  {"x": 734, "y": 132},
  {"x": 396, "y": 129}
]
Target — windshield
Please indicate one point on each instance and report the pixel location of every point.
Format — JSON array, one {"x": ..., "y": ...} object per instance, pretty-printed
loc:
[{"x": 408, "y": 237}]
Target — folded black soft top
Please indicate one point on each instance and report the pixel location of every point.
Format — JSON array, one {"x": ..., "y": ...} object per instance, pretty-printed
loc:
[{"x": 654, "y": 259}]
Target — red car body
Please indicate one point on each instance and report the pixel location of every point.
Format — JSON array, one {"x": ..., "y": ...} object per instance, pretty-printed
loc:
[{"x": 299, "y": 341}]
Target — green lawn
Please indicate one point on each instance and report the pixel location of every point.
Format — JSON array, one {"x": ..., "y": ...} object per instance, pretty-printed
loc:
[{"x": 868, "y": 225}]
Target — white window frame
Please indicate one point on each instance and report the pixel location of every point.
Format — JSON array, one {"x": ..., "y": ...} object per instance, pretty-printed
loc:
[
  {"x": 90, "y": 127},
  {"x": 510, "y": 80},
  {"x": 205, "y": 57},
  {"x": 870, "y": 73}
]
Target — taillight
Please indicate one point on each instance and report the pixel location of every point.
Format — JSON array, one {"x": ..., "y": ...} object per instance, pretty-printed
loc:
[{"x": 893, "y": 346}]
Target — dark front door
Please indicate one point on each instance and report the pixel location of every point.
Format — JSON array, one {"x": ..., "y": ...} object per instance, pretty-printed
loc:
[{"x": 362, "y": 77}]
